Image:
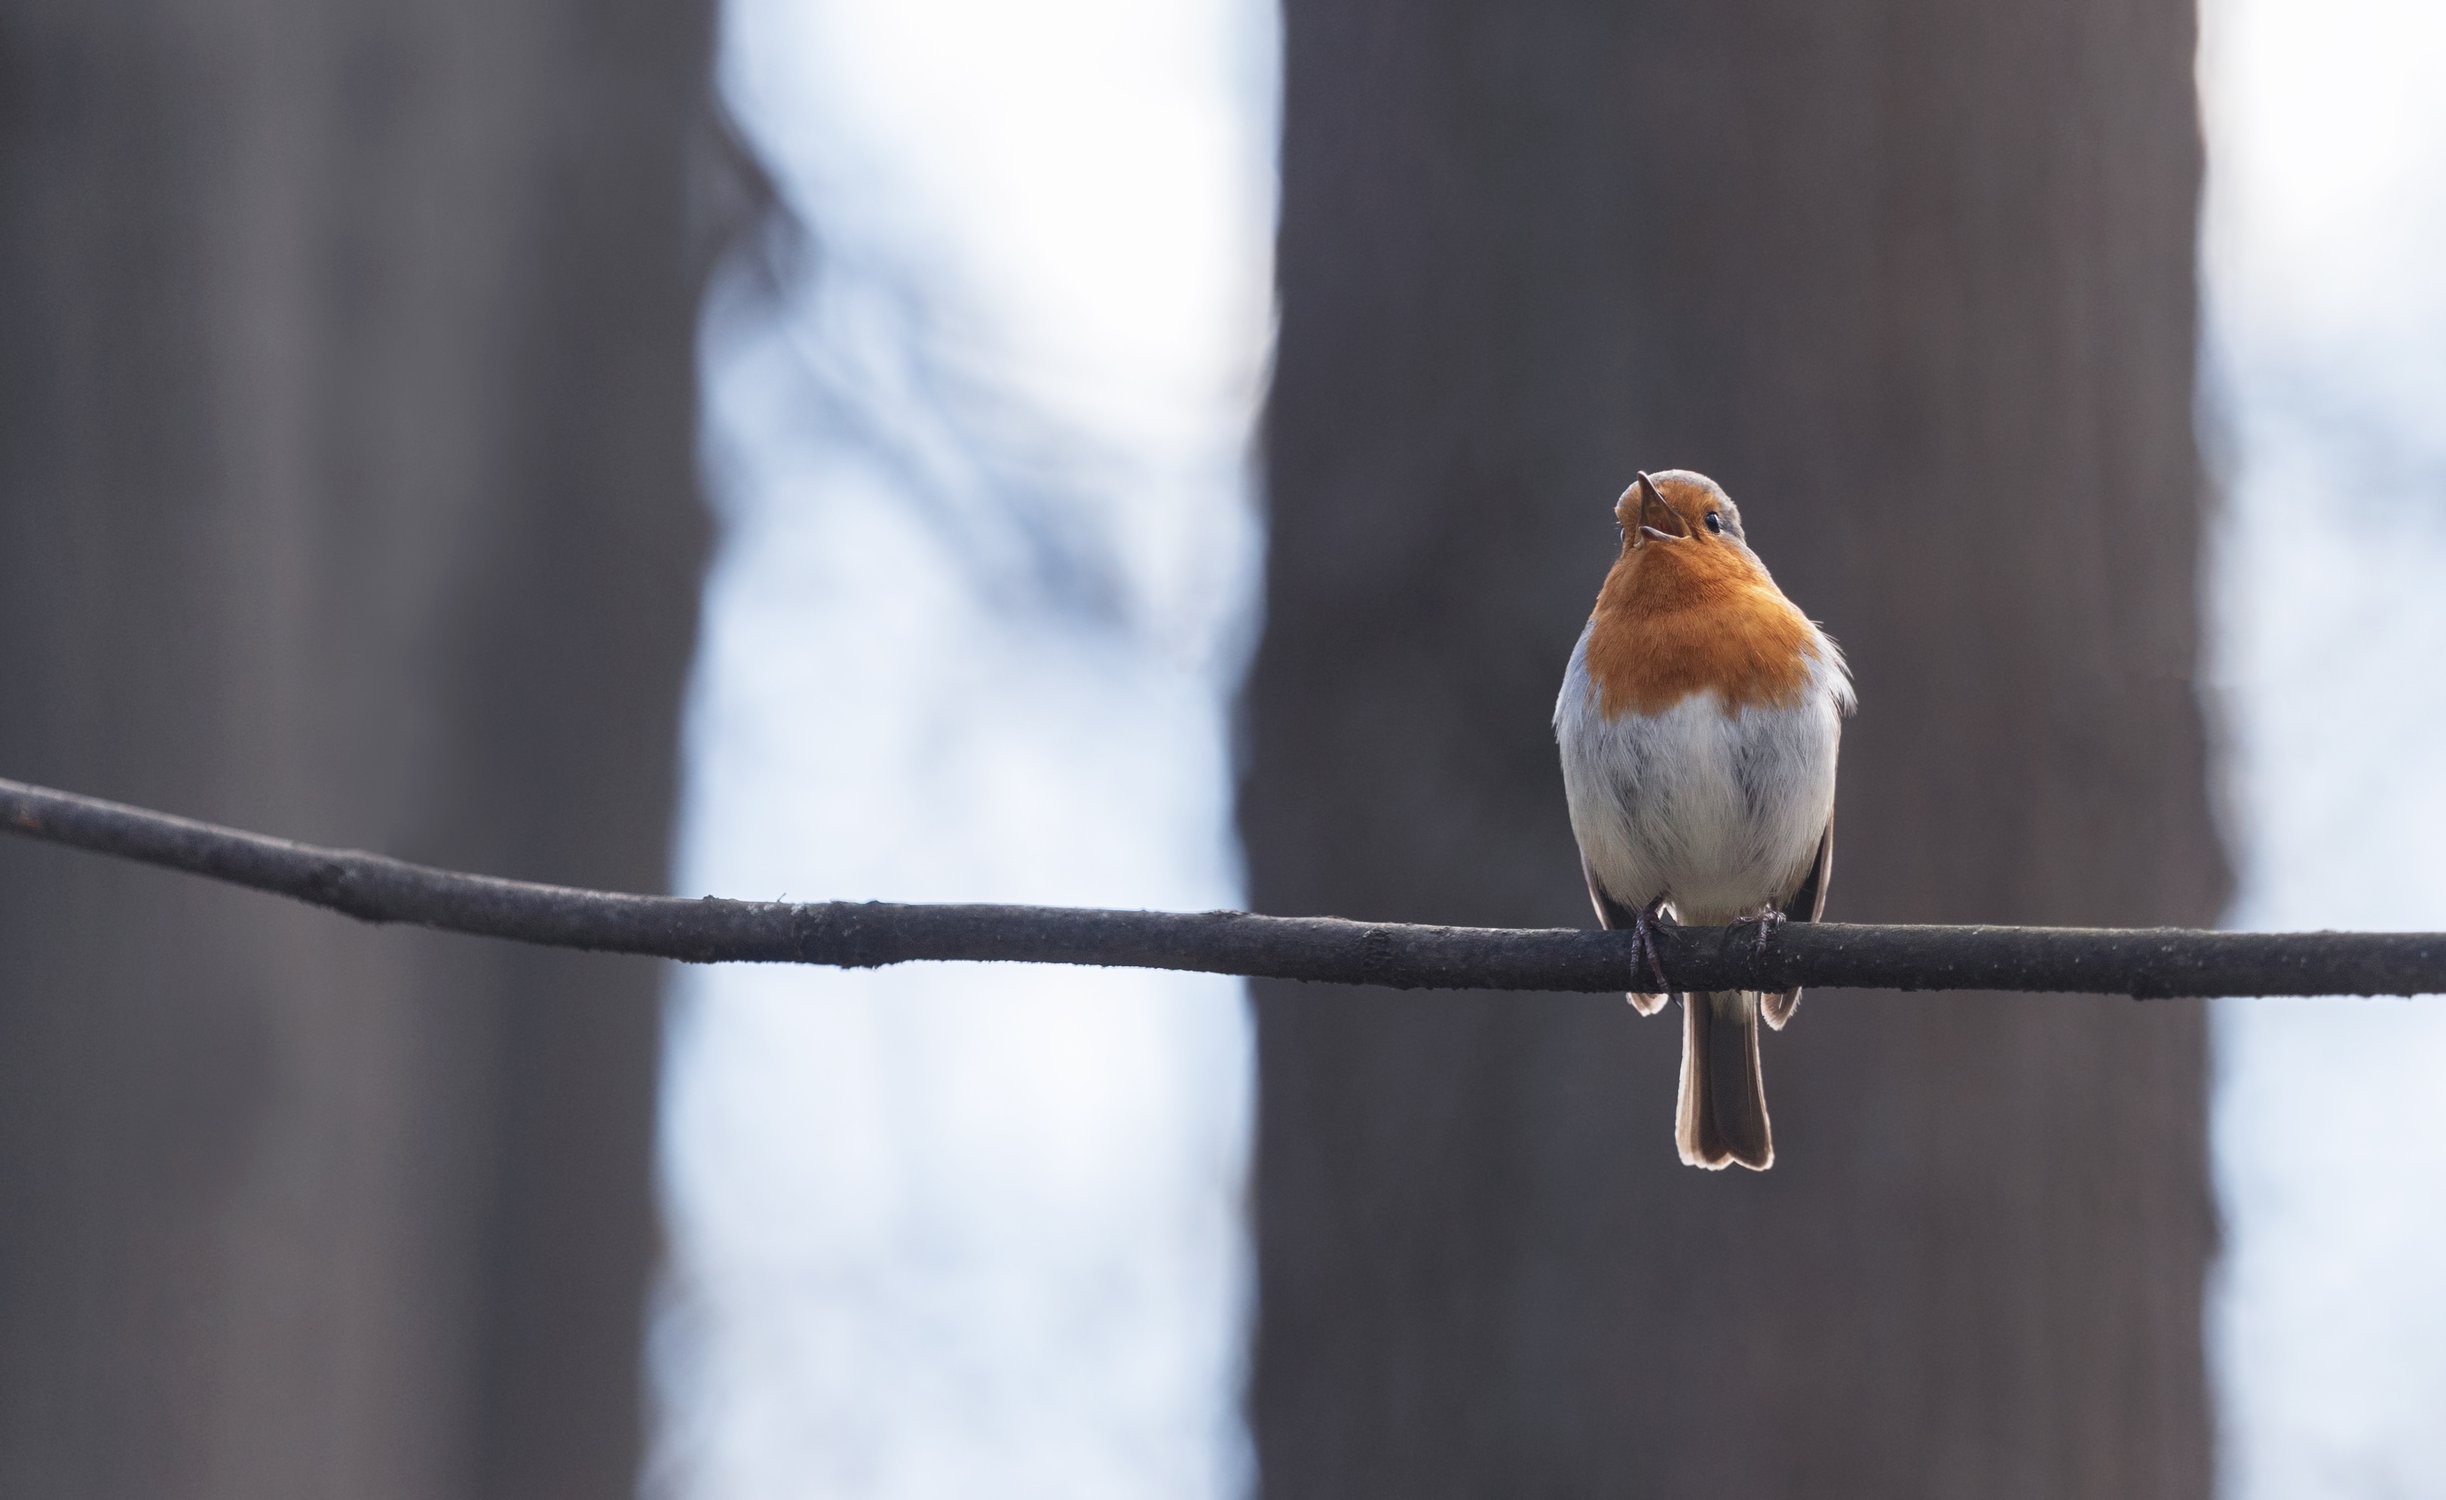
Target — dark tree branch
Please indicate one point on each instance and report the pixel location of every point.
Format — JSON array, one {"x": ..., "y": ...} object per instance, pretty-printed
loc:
[{"x": 2147, "y": 962}]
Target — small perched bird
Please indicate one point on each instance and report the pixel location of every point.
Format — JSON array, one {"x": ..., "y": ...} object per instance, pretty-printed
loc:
[{"x": 1698, "y": 723}]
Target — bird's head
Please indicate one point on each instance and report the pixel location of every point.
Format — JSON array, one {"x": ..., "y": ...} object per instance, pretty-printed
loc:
[
  {"x": 1680, "y": 511},
  {"x": 1681, "y": 532}
]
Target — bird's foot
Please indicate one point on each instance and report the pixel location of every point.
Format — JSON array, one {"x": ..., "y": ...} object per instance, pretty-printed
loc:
[
  {"x": 1643, "y": 941},
  {"x": 1766, "y": 921}
]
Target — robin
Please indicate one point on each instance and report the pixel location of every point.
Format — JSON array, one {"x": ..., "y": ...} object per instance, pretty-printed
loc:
[{"x": 1698, "y": 723}]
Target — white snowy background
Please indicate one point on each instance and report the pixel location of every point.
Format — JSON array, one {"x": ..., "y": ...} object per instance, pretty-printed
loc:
[
  {"x": 981, "y": 448},
  {"x": 980, "y": 445},
  {"x": 2325, "y": 253}
]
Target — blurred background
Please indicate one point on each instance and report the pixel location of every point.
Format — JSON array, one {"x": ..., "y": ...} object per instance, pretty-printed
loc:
[{"x": 1159, "y": 452}]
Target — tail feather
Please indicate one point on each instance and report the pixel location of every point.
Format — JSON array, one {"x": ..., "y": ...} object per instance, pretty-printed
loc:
[{"x": 1721, "y": 1116}]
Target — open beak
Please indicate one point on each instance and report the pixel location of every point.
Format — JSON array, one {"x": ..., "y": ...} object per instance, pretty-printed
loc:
[{"x": 1654, "y": 516}]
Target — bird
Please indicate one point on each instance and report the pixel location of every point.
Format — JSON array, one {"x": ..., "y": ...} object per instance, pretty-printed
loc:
[{"x": 1698, "y": 726}]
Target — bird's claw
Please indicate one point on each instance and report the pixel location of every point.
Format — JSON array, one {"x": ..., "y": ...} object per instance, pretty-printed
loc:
[
  {"x": 1643, "y": 942},
  {"x": 1766, "y": 921}
]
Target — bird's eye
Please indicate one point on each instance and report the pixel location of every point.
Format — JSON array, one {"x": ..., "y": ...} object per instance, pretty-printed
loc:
[{"x": 1715, "y": 523}]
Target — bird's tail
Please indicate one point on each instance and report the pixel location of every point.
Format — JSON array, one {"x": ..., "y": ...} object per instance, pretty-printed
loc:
[{"x": 1723, "y": 1110}]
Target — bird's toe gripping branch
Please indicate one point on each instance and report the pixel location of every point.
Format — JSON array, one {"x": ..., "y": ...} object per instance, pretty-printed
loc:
[
  {"x": 1643, "y": 943},
  {"x": 1766, "y": 922}
]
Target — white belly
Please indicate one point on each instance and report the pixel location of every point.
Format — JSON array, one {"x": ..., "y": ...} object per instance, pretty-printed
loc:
[{"x": 1720, "y": 813}]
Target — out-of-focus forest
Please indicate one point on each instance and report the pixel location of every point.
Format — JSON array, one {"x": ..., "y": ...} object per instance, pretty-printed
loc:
[
  {"x": 347, "y": 490},
  {"x": 350, "y": 490},
  {"x": 1869, "y": 266}
]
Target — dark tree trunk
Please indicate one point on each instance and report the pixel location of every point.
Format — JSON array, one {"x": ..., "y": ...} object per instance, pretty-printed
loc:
[
  {"x": 347, "y": 492},
  {"x": 1915, "y": 282}
]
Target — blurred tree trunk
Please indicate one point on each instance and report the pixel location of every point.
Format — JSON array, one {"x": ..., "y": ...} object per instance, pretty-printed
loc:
[
  {"x": 346, "y": 492},
  {"x": 1915, "y": 282}
]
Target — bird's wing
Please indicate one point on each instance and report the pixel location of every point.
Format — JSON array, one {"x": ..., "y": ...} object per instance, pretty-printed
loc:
[
  {"x": 1612, "y": 915},
  {"x": 1806, "y": 904}
]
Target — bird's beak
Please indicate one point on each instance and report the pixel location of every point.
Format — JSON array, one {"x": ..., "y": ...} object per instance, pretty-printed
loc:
[{"x": 1652, "y": 505}]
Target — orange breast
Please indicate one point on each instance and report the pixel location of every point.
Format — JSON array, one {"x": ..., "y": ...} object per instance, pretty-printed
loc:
[{"x": 1664, "y": 630}]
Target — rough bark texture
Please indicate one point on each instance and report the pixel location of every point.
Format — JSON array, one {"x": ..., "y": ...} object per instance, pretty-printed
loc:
[
  {"x": 346, "y": 489},
  {"x": 1914, "y": 281}
]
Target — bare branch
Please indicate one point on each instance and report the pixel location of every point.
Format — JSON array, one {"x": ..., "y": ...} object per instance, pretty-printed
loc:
[{"x": 2145, "y": 962}]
